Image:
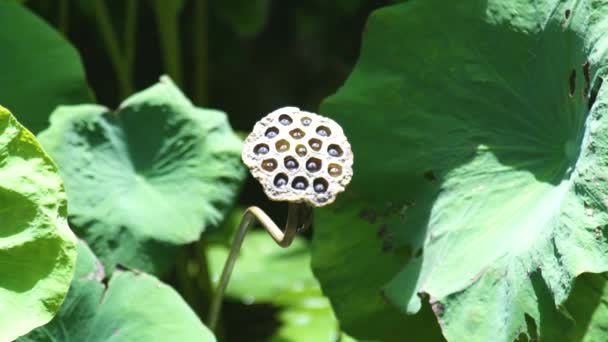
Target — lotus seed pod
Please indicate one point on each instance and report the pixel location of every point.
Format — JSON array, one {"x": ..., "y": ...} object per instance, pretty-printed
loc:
[{"x": 299, "y": 157}]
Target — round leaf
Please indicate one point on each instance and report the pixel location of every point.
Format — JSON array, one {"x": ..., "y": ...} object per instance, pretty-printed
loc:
[
  {"x": 480, "y": 131},
  {"x": 40, "y": 69},
  {"x": 37, "y": 248},
  {"x": 149, "y": 177},
  {"x": 133, "y": 307}
]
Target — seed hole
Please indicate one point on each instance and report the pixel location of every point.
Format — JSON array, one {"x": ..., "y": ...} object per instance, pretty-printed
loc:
[
  {"x": 306, "y": 121},
  {"x": 301, "y": 150},
  {"x": 297, "y": 133},
  {"x": 315, "y": 144},
  {"x": 269, "y": 165},
  {"x": 299, "y": 183},
  {"x": 280, "y": 180},
  {"x": 291, "y": 163},
  {"x": 261, "y": 149},
  {"x": 313, "y": 165},
  {"x": 334, "y": 150},
  {"x": 334, "y": 170},
  {"x": 572, "y": 82},
  {"x": 323, "y": 131},
  {"x": 282, "y": 145},
  {"x": 320, "y": 185},
  {"x": 271, "y": 132},
  {"x": 285, "y": 120}
]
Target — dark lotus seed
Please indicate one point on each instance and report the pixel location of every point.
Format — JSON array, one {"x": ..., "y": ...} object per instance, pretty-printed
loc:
[
  {"x": 262, "y": 149},
  {"x": 306, "y": 121},
  {"x": 319, "y": 187},
  {"x": 334, "y": 150},
  {"x": 284, "y": 120},
  {"x": 291, "y": 163},
  {"x": 322, "y": 131},
  {"x": 280, "y": 180},
  {"x": 299, "y": 183},
  {"x": 272, "y": 132},
  {"x": 312, "y": 166}
]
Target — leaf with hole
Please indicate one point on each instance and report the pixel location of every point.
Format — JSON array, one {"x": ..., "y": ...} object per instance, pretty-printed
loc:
[
  {"x": 37, "y": 248},
  {"x": 494, "y": 196},
  {"x": 149, "y": 177}
]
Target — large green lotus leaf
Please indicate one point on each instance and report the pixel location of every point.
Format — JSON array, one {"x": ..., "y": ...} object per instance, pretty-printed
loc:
[
  {"x": 39, "y": 69},
  {"x": 37, "y": 248},
  {"x": 480, "y": 134},
  {"x": 268, "y": 274},
  {"x": 132, "y": 307},
  {"x": 146, "y": 178}
]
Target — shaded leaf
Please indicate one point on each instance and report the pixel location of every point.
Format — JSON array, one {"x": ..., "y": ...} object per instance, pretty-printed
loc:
[
  {"x": 133, "y": 307},
  {"x": 39, "y": 69},
  {"x": 149, "y": 177},
  {"x": 37, "y": 248},
  {"x": 491, "y": 197}
]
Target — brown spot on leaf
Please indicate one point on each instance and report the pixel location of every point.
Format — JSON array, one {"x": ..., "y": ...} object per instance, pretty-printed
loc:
[
  {"x": 586, "y": 68},
  {"x": 369, "y": 215},
  {"x": 572, "y": 83},
  {"x": 430, "y": 175},
  {"x": 382, "y": 230}
]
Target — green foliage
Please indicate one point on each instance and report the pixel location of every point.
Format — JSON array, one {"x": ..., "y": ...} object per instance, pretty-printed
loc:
[
  {"x": 37, "y": 249},
  {"x": 480, "y": 185},
  {"x": 268, "y": 274},
  {"x": 245, "y": 17},
  {"x": 131, "y": 307},
  {"x": 39, "y": 69},
  {"x": 147, "y": 178}
]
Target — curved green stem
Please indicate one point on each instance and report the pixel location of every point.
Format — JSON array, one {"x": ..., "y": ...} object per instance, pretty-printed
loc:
[{"x": 299, "y": 217}]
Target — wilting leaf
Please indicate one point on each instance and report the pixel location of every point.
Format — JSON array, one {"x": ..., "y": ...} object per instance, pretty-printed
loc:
[
  {"x": 480, "y": 180},
  {"x": 131, "y": 307},
  {"x": 149, "y": 177},
  {"x": 37, "y": 248},
  {"x": 39, "y": 69},
  {"x": 268, "y": 274}
]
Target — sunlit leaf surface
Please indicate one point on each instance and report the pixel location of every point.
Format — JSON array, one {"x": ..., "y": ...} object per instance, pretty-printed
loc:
[{"x": 481, "y": 148}]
